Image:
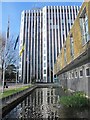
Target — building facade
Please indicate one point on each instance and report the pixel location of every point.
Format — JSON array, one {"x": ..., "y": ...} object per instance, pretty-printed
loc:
[
  {"x": 43, "y": 32},
  {"x": 73, "y": 63}
]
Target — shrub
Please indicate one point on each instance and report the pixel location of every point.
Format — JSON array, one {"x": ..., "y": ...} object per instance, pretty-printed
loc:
[{"x": 78, "y": 99}]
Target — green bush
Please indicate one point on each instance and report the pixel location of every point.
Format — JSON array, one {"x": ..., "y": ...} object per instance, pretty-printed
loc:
[{"x": 78, "y": 99}]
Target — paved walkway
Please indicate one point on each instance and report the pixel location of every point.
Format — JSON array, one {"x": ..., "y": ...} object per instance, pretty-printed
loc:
[
  {"x": 18, "y": 85},
  {"x": 13, "y": 86}
]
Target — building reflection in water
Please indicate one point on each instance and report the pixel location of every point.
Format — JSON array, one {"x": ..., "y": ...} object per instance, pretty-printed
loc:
[
  {"x": 40, "y": 104},
  {"x": 43, "y": 103}
]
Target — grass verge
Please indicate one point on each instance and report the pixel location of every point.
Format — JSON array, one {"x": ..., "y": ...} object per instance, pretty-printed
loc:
[
  {"x": 76, "y": 100},
  {"x": 12, "y": 91}
]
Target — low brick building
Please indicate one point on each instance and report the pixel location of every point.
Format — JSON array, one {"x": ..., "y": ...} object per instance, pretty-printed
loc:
[{"x": 73, "y": 63}]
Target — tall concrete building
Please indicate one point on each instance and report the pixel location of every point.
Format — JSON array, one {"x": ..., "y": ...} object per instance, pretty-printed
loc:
[{"x": 43, "y": 32}]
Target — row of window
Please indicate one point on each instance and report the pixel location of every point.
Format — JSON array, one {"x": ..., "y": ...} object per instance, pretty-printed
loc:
[
  {"x": 77, "y": 73},
  {"x": 71, "y": 49},
  {"x": 44, "y": 51},
  {"x": 87, "y": 72},
  {"x": 84, "y": 33},
  {"x": 56, "y": 7},
  {"x": 80, "y": 74},
  {"x": 50, "y": 14}
]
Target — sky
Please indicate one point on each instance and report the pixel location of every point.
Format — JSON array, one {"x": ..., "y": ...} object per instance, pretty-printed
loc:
[{"x": 12, "y": 10}]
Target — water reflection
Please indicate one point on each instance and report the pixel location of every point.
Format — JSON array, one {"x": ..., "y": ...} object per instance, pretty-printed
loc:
[
  {"x": 40, "y": 104},
  {"x": 43, "y": 103}
]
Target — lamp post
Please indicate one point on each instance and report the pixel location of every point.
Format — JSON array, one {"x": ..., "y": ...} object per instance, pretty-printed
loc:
[
  {"x": 16, "y": 76},
  {"x": 4, "y": 66}
]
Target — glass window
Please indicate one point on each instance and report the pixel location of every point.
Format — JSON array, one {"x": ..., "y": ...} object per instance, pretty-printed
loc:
[
  {"x": 75, "y": 74},
  {"x": 44, "y": 51},
  {"x": 72, "y": 74},
  {"x": 69, "y": 26},
  {"x": 71, "y": 46},
  {"x": 81, "y": 73},
  {"x": 44, "y": 39},
  {"x": 44, "y": 44},
  {"x": 44, "y": 57},
  {"x": 65, "y": 57},
  {"x": 50, "y": 20},
  {"x": 44, "y": 71},
  {"x": 87, "y": 72},
  {"x": 84, "y": 27},
  {"x": 20, "y": 59},
  {"x": 44, "y": 78},
  {"x": 44, "y": 64}
]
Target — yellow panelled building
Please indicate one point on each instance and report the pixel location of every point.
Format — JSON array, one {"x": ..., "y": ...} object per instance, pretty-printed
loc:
[{"x": 72, "y": 66}]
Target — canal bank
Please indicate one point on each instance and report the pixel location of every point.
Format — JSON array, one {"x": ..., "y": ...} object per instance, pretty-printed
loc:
[
  {"x": 42, "y": 103},
  {"x": 8, "y": 103}
]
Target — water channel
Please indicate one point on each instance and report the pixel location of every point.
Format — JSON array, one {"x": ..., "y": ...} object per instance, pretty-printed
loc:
[{"x": 43, "y": 103}]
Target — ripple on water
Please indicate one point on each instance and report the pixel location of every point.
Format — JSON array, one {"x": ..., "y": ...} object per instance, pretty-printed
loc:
[{"x": 43, "y": 103}]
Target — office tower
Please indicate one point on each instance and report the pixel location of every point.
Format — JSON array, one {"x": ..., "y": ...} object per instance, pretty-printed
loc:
[{"x": 43, "y": 32}]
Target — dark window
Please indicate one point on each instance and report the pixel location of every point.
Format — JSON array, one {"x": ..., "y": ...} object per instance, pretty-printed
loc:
[
  {"x": 76, "y": 10},
  {"x": 44, "y": 71},
  {"x": 69, "y": 26},
  {"x": 87, "y": 72},
  {"x": 81, "y": 73},
  {"x": 72, "y": 74},
  {"x": 76, "y": 74}
]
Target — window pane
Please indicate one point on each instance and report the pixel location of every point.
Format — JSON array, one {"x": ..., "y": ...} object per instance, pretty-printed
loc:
[
  {"x": 71, "y": 46},
  {"x": 44, "y": 57},
  {"x": 84, "y": 28},
  {"x": 44, "y": 78},
  {"x": 44, "y": 71},
  {"x": 76, "y": 74},
  {"x": 44, "y": 64},
  {"x": 81, "y": 73},
  {"x": 87, "y": 72}
]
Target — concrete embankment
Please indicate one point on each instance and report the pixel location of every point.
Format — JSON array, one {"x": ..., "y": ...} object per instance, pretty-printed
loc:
[
  {"x": 14, "y": 100},
  {"x": 49, "y": 85}
]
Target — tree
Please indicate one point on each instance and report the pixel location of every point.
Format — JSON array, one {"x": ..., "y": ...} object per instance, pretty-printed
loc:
[
  {"x": 8, "y": 54},
  {"x": 7, "y": 76},
  {"x": 10, "y": 72},
  {"x": 33, "y": 80}
]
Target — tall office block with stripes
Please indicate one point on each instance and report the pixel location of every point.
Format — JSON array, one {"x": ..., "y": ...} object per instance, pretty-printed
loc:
[{"x": 43, "y": 31}]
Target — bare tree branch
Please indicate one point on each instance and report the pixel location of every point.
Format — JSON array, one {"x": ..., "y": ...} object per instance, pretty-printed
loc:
[{"x": 10, "y": 56}]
